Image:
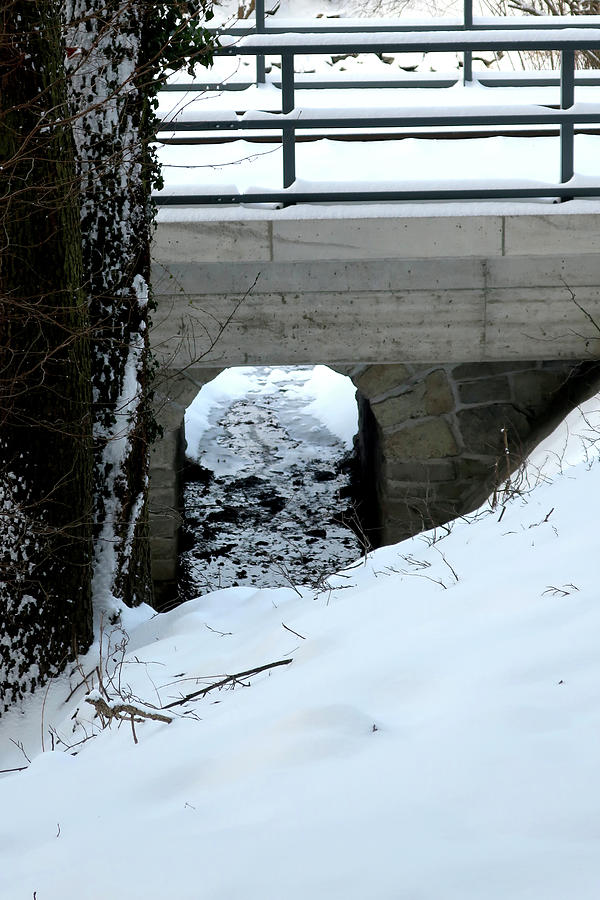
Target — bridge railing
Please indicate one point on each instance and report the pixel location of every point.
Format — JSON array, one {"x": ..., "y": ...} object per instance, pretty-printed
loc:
[
  {"x": 265, "y": 24},
  {"x": 512, "y": 36}
]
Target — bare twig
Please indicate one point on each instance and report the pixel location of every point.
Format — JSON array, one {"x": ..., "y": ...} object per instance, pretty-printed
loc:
[
  {"x": 19, "y": 745},
  {"x": 291, "y": 630},
  {"x": 83, "y": 682},
  {"x": 227, "y": 680},
  {"x": 216, "y": 631}
]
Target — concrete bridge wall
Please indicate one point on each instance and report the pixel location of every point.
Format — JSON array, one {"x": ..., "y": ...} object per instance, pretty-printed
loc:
[{"x": 452, "y": 328}]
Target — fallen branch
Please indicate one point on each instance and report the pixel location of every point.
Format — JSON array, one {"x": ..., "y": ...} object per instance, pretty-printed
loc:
[
  {"x": 122, "y": 711},
  {"x": 226, "y": 680}
]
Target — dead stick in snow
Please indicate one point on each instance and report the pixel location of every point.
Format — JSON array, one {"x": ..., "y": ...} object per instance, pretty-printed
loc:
[
  {"x": 120, "y": 710},
  {"x": 227, "y": 680},
  {"x": 291, "y": 630}
]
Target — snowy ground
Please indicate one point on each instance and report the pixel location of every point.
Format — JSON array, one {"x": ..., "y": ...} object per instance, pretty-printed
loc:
[
  {"x": 434, "y": 737},
  {"x": 268, "y": 489}
]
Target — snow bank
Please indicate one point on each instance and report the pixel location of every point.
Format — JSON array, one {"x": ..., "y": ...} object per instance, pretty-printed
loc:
[
  {"x": 229, "y": 385},
  {"x": 435, "y": 736},
  {"x": 334, "y": 403},
  {"x": 330, "y": 398}
]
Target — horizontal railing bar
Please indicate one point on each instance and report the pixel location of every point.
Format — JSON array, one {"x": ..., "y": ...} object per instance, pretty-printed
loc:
[
  {"x": 417, "y": 82},
  {"x": 357, "y": 137},
  {"x": 398, "y": 29},
  {"x": 440, "y": 82},
  {"x": 529, "y": 81},
  {"x": 508, "y": 23},
  {"x": 553, "y": 117},
  {"x": 376, "y": 196},
  {"x": 428, "y": 41}
]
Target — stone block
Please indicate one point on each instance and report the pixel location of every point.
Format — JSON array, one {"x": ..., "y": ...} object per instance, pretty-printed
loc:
[
  {"x": 166, "y": 527},
  {"x": 430, "y": 439},
  {"x": 485, "y": 390},
  {"x": 165, "y": 455},
  {"x": 378, "y": 380},
  {"x": 438, "y": 394},
  {"x": 410, "y": 517},
  {"x": 163, "y": 548},
  {"x": 429, "y": 397},
  {"x": 163, "y": 501},
  {"x": 471, "y": 469},
  {"x": 182, "y": 388},
  {"x": 472, "y": 370},
  {"x": 424, "y": 472},
  {"x": 481, "y": 428},
  {"x": 164, "y": 569},
  {"x": 398, "y": 493},
  {"x": 397, "y": 410},
  {"x": 534, "y": 390},
  {"x": 165, "y": 595}
]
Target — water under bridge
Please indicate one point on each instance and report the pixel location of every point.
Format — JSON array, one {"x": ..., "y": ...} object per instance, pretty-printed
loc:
[{"x": 467, "y": 314}]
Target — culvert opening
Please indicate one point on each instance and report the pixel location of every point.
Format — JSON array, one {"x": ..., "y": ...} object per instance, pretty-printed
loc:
[{"x": 271, "y": 489}]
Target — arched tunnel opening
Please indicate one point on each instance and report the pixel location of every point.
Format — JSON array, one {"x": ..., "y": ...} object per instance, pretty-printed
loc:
[
  {"x": 284, "y": 483},
  {"x": 271, "y": 489}
]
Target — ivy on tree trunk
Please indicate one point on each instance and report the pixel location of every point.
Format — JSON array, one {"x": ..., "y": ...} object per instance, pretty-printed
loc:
[
  {"x": 121, "y": 51},
  {"x": 75, "y": 227},
  {"x": 115, "y": 224},
  {"x": 45, "y": 393}
]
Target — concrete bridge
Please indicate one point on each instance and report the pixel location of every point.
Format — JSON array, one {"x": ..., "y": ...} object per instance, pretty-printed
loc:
[{"x": 465, "y": 335}]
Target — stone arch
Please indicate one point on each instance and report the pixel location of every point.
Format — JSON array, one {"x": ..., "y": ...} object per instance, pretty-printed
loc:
[{"x": 429, "y": 441}]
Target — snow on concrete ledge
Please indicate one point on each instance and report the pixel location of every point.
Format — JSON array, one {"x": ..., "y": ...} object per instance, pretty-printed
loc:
[{"x": 304, "y": 211}]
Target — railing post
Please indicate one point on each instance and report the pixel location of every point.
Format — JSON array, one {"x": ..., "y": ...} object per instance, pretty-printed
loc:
[
  {"x": 288, "y": 135},
  {"x": 468, "y": 54},
  {"x": 259, "y": 18},
  {"x": 567, "y": 99}
]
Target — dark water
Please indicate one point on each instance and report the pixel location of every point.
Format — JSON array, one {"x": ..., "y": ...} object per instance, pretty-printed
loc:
[{"x": 269, "y": 501}]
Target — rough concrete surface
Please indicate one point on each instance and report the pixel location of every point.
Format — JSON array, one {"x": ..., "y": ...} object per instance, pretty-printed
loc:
[{"x": 452, "y": 329}]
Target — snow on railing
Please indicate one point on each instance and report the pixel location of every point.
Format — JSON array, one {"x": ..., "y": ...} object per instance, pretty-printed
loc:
[{"x": 565, "y": 37}]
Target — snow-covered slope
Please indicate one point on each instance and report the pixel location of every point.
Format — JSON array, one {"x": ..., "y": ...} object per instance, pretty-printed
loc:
[{"x": 435, "y": 736}]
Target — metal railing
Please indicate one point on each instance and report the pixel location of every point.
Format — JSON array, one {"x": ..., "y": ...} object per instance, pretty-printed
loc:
[{"x": 501, "y": 34}]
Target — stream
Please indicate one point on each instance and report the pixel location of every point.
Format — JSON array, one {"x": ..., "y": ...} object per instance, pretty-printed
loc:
[{"x": 268, "y": 493}]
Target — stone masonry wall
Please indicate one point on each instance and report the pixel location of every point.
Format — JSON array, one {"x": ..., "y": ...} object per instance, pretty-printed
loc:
[
  {"x": 432, "y": 441},
  {"x": 174, "y": 391}
]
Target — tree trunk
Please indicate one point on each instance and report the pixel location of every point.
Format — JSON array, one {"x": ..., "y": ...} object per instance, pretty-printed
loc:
[
  {"x": 115, "y": 222},
  {"x": 122, "y": 50},
  {"x": 45, "y": 426}
]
